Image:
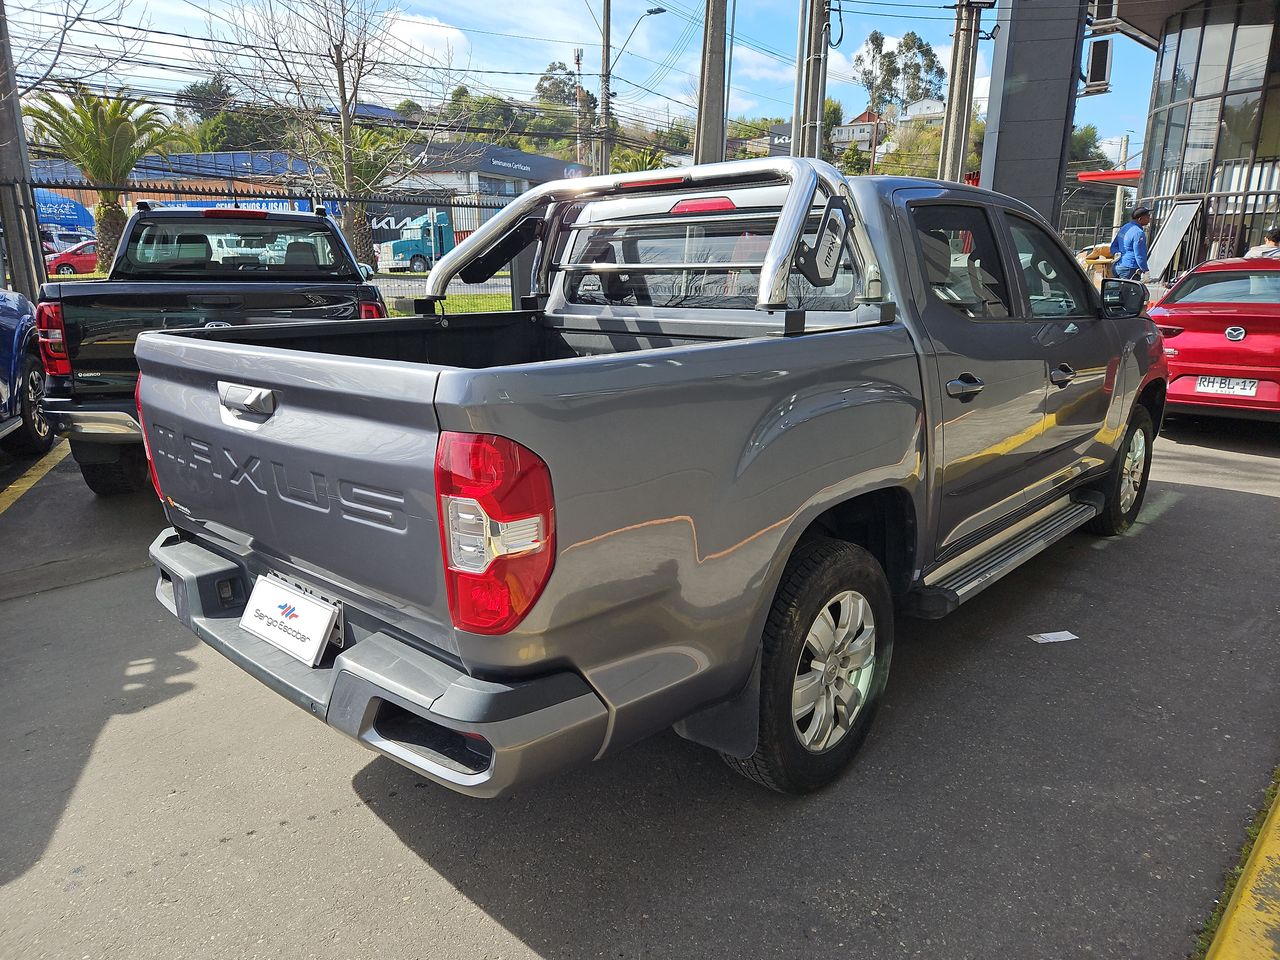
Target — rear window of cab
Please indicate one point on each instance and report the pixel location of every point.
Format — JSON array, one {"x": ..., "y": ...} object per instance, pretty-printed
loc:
[{"x": 1227, "y": 286}]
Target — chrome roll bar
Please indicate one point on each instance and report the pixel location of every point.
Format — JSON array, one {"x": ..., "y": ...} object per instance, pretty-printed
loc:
[{"x": 803, "y": 174}]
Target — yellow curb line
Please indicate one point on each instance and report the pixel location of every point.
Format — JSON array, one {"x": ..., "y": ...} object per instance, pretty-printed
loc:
[
  {"x": 1250, "y": 927},
  {"x": 10, "y": 494}
]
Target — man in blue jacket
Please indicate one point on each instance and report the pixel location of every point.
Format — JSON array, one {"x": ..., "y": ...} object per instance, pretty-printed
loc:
[{"x": 1130, "y": 246}]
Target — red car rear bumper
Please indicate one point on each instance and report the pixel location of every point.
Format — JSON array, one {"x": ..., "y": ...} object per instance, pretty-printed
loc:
[{"x": 1183, "y": 396}]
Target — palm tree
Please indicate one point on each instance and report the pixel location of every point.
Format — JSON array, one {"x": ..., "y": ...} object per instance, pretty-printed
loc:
[
  {"x": 105, "y": 136},
  {"x": 632, "y": 161}
]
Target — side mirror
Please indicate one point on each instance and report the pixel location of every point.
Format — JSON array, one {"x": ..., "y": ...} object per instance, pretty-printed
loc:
[
  {"x": 1122, "y": 298},
  {"x": 366, "y": 271}
]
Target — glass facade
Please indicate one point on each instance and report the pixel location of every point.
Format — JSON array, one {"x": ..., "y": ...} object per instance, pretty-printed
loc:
[{"x": 1214, "y": 132}]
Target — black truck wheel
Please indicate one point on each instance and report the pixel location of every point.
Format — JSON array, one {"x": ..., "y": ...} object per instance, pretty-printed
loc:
[
  {"x": 827, "y": 645},
  {"x": 419, "y": 264},
  {"x": 1125, "y": 485},
  {"x": 34, "y": 436},
  {"x": 126, "y": 474}
]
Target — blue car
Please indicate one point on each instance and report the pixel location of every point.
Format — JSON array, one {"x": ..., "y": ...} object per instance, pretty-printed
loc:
[{"x": 23, "y": 427}]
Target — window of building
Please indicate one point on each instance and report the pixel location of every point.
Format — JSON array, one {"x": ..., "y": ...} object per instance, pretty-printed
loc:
[
  {"x": 961, "y": 261},
  {"x": 1054, "y": 285},
  {"x": 1215, "y": 49},
  {"x": 1202, "y": 134},
  {"x": 1168, "y": 57},
  {"x": 1188, "y": 51},
  {"x": 1240, "y": 115},
  {"x": 1253, "y": 44}
]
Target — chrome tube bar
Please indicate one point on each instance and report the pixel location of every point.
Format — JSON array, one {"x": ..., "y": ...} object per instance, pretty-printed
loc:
[{"x": 803, "y": 174}]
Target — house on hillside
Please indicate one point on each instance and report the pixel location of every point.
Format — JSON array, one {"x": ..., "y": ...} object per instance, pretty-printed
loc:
[
  {"x": 862, "y": 131},
  {"x": 925, "y": 113}
]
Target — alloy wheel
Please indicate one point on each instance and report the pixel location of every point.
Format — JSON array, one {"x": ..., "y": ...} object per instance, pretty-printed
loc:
[
  {"x": 35, "y": 393},
  {"x": 1132, "y": 470},
  {"x": 834, "y": 673}
]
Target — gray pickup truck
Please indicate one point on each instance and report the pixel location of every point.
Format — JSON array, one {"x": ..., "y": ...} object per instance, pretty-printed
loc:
[{"x": 751, "y": 411}]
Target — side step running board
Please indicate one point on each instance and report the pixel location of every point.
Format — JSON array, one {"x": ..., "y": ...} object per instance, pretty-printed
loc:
[{"x": 954, "y": 586}]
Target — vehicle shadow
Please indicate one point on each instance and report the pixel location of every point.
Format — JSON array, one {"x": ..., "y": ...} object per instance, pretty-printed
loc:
[
  {"x": 1014, "y": 799},
  {"x": 1255, "y": 437}
]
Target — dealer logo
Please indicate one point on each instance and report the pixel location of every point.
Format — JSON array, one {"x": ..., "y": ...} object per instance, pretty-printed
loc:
[{"x": 288, "y": 611}]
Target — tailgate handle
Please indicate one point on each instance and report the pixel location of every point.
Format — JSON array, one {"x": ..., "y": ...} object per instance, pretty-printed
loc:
[
  {"x": 215, "y": 301},
  {"x": 243, "y": 398}
]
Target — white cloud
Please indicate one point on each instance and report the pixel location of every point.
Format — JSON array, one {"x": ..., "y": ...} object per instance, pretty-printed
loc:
[{"x": 754, "y": 65}]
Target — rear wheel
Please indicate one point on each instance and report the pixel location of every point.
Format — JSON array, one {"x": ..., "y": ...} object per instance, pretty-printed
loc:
[
  {"x": 66, "y": 269},
  {"x": 827, "y": 646},
  {"x": 419, "y": 264},
  {"x": 35, "y": 435},
  {"x": 128, "y": 474},
  {"x": 1125, "y": 486}
]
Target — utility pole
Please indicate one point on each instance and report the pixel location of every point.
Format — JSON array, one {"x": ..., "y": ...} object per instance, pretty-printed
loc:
[
  {"x": 964, "y": 61},
  {"x": 23, "y": 253},
  {"x": 814, "y": 77},
  {"x": 606, "y": 133},
  {"x": 577, "y": 99},
  {"x": 708, "y": 141},
  {"x": 1118, "y": 217}
]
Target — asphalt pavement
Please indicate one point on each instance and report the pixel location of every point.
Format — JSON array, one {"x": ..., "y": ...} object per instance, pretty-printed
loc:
[{"x": 1024, "y": 800}]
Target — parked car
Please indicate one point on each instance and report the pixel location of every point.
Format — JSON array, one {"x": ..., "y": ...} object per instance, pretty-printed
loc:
[
  {"x": 758, "y": 408},
  {"x": 1221, "y": 327},
  {"x": 82, "y": 258},
  {"x": 23, "y": 427},
  {"x": 64, "y": 239},
  {"x": 166, "y": 275}
]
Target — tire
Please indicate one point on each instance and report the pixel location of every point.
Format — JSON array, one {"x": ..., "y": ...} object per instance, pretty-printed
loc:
[
  {"x": 1123, "y": 498},
  {"x": 65, "y": 269},
  {"x": 818, "y": 575},
  {"x": 126, "y": 475},
  {"x": 35, "y": 436},
  {"x": 419, "y": 265}
]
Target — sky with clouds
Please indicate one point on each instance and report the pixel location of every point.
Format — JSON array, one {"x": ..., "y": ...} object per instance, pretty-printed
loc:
[{"x": 500, "y": 46}]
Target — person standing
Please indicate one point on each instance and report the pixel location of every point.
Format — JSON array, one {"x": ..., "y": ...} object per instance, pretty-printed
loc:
[
  {"x": 1270, "y": 246},
  {"x": 1130, "y": 246}
]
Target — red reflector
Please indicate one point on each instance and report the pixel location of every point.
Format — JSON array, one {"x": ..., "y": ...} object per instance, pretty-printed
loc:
[
  {"x": 234, "y": 213},
  {"x": 657, "y": 182},
  {"x": 146, "y": 444},
  {"x": 1169, "y": 331},
  {"x": 53, "y": 340},
  {"x": 497, "y": 529},
  {"x": 704, "y": 205},
  {"x": 372, "y": 310}
]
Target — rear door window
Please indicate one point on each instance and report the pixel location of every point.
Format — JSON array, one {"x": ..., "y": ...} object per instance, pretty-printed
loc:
[
  {"x": 213, "y": 247},
  {"x": 960, "y": 260}
]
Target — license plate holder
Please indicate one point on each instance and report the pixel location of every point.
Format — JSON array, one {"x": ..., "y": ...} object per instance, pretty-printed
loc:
[
  {"x": 299, "y": 623},
  {"x": 1227, "y": 386}
]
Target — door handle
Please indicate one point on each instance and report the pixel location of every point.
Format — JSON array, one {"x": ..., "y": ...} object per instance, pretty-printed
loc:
[
  {"x": 965, "y": 387},
  {"x": 1061, "y": 376},
  {"x": 241, "y": 398}
]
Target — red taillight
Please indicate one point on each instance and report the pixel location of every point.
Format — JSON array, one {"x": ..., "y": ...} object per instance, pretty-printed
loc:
[
  {"x": 704, "y": 205},
  {"x": 1168, "y": 331},
  {"x": 146, "y": 445},
  {"x": 372, "y": 310},
  {"x": 497, "y": 529},
  {"x": 233, "y": 213},
  {"x": 53, "y": 340}
]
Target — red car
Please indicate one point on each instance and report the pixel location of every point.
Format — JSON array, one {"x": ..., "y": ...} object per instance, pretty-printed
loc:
[
  {"x": 82, "y": 258},
  {"x": 1221, "y": 326}
]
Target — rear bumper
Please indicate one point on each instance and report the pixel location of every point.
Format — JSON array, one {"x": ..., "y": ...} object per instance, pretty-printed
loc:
[
  {"x": 1183, "y": 397},
  {"x": 108, "y": 421},
  {"x": 416, "y": 709}
]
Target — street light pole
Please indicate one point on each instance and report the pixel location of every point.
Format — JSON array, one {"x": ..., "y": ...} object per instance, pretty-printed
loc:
[{"x": 607, "y": 63}]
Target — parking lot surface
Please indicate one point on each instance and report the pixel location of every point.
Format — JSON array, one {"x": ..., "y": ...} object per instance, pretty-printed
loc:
[{"x": 1015, "y": 799}]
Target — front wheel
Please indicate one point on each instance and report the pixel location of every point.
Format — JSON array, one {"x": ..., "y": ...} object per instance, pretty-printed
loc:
[
  {"x": 66, "y": 269},
  {"x": 1125, "y": 485},
  {"x": 34, "y": 436},
  {"x": 827, "y": 645},
  {"x": 419, "y": 265}
]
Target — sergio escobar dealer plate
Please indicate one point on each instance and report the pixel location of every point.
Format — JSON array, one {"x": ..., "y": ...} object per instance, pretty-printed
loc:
[{"x": 297, "y": 623}]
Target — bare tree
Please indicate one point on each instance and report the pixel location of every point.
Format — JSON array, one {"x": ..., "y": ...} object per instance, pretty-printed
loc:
[
  {"x": 69, "y": 41},
  {"x": 326, "y": 65}
]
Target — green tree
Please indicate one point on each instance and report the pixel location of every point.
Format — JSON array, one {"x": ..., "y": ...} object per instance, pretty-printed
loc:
[
  {"x": 105, "y": 136},
  {"x": 246, "y": 128},
  {"x": 409, "y": 108},
  {"x": 876, "y": 70},
  {"x": 206, "y": 98},
  {"x": 853, "y": 162},
  {"x": 920, "y": 75},
  {"x": 832, "y": 117},
  {"x": 632, "y": 161},
  {"x": 1085, "y": 147}
]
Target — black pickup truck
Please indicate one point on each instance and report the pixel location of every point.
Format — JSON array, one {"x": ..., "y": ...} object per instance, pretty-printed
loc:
[{"x": 181, "y": 267}]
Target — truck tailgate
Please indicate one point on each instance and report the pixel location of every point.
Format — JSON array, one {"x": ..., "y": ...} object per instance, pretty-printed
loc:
[
  {"x": 103, "y": 317},
  {"x": 323, "y": 462}
]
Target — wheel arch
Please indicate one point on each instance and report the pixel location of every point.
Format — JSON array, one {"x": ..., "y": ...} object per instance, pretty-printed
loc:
[{"x": 1153, "y": 397}]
